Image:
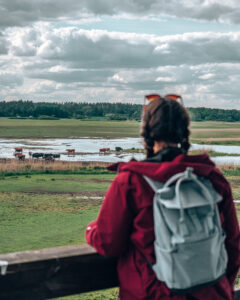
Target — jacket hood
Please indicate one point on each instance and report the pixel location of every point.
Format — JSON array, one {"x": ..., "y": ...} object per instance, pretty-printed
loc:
[{"x": 162, "y": 171}]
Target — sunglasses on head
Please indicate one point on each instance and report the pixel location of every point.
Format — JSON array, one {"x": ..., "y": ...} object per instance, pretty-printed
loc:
[{"x": 174, "y": 97}]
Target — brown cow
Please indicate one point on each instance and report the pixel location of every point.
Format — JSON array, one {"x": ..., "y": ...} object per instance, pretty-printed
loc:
[
  {"x": 104, "y": 150},
  {"x": 20, "y": 156},
  {"x": 70, "y": 151},
  {"x": 18, "y": 149}
]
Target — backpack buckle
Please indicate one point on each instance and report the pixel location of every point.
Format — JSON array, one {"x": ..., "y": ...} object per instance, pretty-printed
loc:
[{"x": 189, "y": 173}]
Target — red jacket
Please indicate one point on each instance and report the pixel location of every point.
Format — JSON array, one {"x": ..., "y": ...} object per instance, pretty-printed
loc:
[{"x": 124, "y": 228}]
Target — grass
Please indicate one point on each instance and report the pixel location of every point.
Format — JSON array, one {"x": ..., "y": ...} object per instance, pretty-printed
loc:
[
  {"x": 216, "y": 142},
  {"x": 111, "y": 294},
  {"x": 55, "y": 184},
  {"x": 210, "y": 152},
  {"x": 49, "y": 210},
  {"x": 67, "y": 128},
  {"x": 71, "y": 128}
]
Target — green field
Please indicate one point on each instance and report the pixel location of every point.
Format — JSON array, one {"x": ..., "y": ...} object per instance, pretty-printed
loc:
[
  {"x": 41, "y": 211},
  {"x": 207, "y": 132},
  {"x": 67, "y": 128},
  {"x": 48, "y": 210}
]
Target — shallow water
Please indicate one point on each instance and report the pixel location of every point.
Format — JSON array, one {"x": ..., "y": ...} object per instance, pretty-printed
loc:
[{"x": 89, "y": 149}]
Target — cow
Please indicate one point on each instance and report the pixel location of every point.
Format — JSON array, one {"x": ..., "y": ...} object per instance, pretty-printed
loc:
[
  {"x": 70, "y": 152},
  {"x": 18, "y": 149},
  {"x": 118, "y": 149},
  {"x": 20, "y": 156},
  {"x": 37, "y": 155},
  {"x": 104, "y": 150},
  {"x": 56, "y": 155}
]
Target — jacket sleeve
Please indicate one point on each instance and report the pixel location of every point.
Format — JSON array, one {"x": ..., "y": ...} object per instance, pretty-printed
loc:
[
  {"x": 231, "y": 227},
  {"x": 110, "y": 233}
]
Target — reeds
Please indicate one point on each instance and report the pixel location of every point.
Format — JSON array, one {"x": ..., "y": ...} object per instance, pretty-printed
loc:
[{"x": 13, "y": 165}]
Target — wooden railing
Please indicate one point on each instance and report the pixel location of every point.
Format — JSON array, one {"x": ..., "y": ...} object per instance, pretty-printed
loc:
[{"x": 56, "y": 272}]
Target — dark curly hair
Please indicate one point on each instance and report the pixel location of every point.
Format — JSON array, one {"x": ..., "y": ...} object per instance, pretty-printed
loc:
[{"x": 165, "y": 120}]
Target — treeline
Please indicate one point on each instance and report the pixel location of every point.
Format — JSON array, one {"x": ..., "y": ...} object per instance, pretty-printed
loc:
[
  {"x": 214, "y": 114},
  {"x": 109, "y": 111}
]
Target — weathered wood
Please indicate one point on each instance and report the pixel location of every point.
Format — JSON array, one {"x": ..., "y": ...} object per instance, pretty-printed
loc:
[{"x": 55, "y": 272}]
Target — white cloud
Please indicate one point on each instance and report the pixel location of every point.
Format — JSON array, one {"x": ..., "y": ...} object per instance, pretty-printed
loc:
[
  {"x": 118, "y": 78},
  {"x": 94, "y": 49},
  {"x": 164, "y": 79},
  {"x": 70, "y": 64},
  {"x": 207, "y": 76}
]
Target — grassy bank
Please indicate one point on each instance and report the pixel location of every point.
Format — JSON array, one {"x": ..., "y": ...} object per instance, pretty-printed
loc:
[{"x": 67, "y": 128}]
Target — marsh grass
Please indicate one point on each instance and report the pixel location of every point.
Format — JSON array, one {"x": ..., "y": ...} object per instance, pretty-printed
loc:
[{"x": 9, "y": 167}]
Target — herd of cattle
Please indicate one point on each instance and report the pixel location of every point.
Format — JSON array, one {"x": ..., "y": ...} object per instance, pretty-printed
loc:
[
  {"x": 46, "y": 156},
  {"x": 52, "y": 156}
]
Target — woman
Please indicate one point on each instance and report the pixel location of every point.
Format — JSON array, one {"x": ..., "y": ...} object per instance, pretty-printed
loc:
[{"x": 124, "y": 227}]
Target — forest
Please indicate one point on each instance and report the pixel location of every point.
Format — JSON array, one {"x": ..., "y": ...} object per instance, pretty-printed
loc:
[{"x": 107, "y": 111}]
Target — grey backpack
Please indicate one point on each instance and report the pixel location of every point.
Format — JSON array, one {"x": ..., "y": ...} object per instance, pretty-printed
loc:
[{"x": 189, "y": 240}]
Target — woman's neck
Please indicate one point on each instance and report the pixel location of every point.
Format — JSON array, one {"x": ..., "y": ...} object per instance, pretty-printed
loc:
[{"x": 160, "y": 145}]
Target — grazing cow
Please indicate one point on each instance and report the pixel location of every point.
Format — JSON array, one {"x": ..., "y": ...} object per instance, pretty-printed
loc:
[
  {"x": 20, "y": 156},
  {"x": 19, "y": 150},
  {"x": 56, "y": 155},
  {"x": 104, "y": 150},
  {"x": 70, "y": 152},
  {"x": 37, "y": 155},
  {"x": 118, "y": 149}
]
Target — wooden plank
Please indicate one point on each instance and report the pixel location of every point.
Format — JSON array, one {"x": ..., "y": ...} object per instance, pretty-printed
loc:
[
  {"x": 55, "y": 272},
  {"x": 45, "y": 254}
]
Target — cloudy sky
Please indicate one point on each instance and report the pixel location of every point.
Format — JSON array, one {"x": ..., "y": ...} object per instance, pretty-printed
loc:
[{"x": 111, "y": 50}]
